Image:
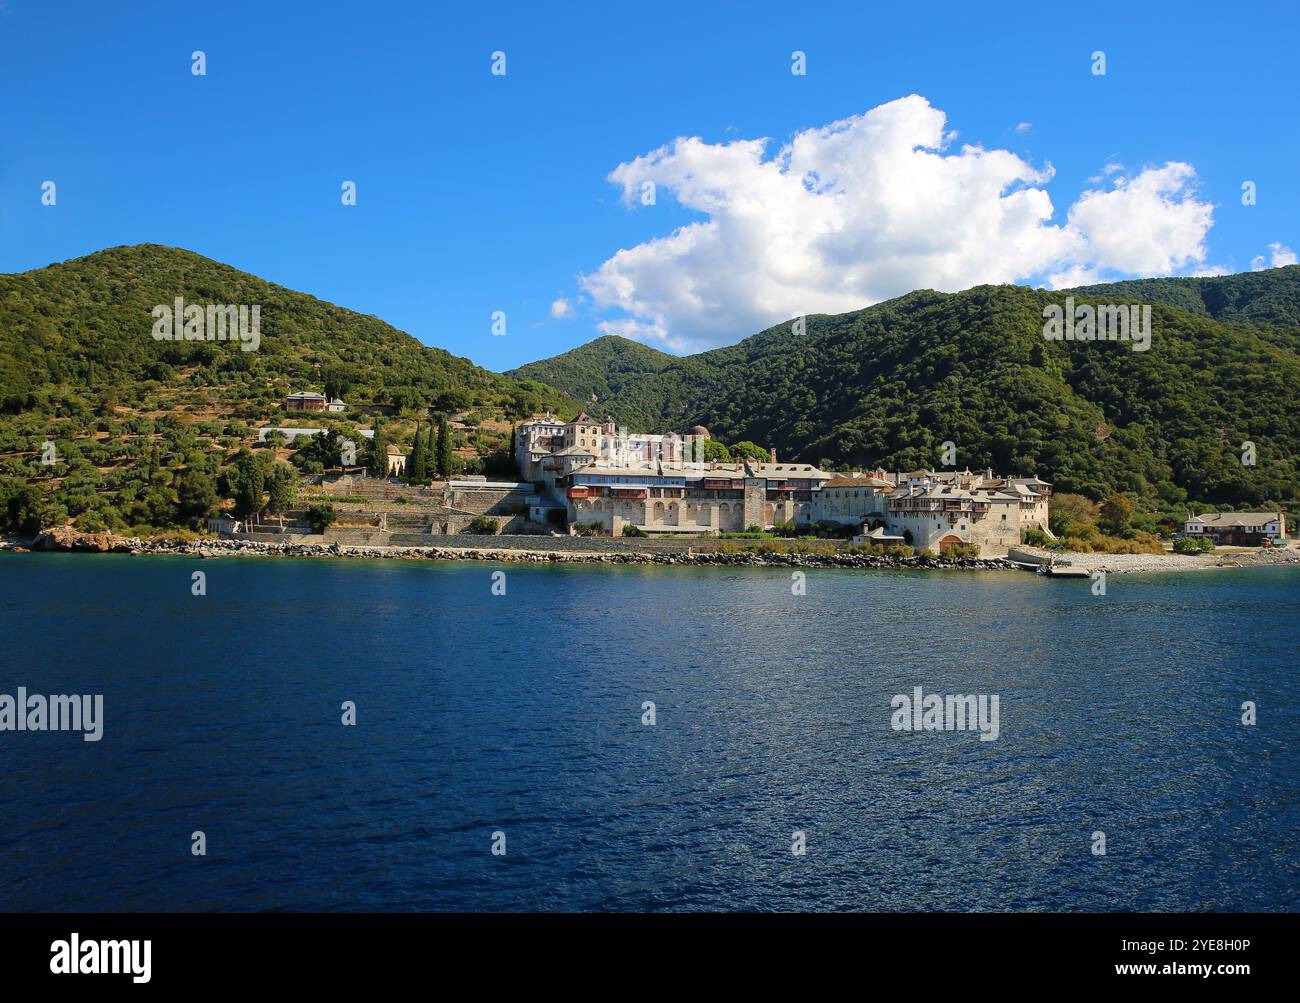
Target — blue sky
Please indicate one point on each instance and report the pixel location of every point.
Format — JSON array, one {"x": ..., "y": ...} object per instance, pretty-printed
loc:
[{"x": 479, "y": 193}]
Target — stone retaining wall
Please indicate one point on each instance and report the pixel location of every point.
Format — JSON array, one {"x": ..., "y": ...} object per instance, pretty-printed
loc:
[
  {"x": 584, "y": 544},
  {"x": 295, "y": 538},
  {"x": 356, "y": 536},
  {"x": 487, "y": 501}
]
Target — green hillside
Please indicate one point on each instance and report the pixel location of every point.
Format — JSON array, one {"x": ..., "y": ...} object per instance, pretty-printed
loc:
[
  {"x": 143, "y": 431},
  {"x": 603, "y": 368},
  {"x": 1266, "y": 298},
  {"x": 1269, "y": 300},
  {"x": 889, "y": 384},
  {"x": 73, "y": 330}
]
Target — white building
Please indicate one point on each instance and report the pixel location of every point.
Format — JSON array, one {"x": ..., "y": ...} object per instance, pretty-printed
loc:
[{"x": 1245, "y": 529}]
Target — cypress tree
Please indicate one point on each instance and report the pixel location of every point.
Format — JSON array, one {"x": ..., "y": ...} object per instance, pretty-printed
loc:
[
  {"x": 378, "y": 466},
  {"x": 249, "y": 483},
  {"x": 444, "y": 448},
  {"x": 418, "y": 467}
]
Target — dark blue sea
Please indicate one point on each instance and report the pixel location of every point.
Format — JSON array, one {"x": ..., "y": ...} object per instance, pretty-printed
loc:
[{"x": 522, "y": 714}]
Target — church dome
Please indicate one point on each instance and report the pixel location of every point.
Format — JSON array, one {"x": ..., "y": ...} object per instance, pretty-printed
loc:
[{"x": 700, "y": 430}]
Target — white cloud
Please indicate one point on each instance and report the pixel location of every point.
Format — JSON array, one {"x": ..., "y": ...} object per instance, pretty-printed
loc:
[
  {"x": 1024, "y": 127},
  {"x": 1152, "y": 224},
  {"x": 1281, "y": 256},
  {"x": 867, "y": 208},
  {"x": 561, "y": 309}
]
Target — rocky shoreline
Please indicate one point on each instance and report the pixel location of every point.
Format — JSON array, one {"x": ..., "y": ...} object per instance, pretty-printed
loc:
[
  {"x": 67, "y": 540},
  {"x": 70, "y": 541}
]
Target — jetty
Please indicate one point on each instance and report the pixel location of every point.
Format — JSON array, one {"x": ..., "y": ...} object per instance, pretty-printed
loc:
[{"x": 1048, "y": 567}]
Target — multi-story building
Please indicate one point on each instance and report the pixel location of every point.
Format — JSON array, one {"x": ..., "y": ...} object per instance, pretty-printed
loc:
[
  {"x": 535, "y": 440},
  {"x": 305, "y": 400},
  {"x": 545, "y": 436},
  {"x": 1243, "y": 529},
  {"x": 854, "y": 499},
  {"x": 692, "y": 497},
  {"x": 938, "y": 510}
]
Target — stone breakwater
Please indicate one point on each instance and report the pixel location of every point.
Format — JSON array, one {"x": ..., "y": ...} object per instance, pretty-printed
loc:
[{"x": 72, "y": 541}]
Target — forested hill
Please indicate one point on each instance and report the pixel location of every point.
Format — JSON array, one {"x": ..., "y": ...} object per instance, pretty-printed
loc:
[
  {"x": 889, "y": 384},
  {"x": 1265, "y": 299},
  {"x": 602, "y": 368},
  {"x": 71, "y": 332}
]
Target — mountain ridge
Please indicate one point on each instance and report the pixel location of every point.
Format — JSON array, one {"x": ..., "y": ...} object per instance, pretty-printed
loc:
[
  {"x": 889, "y": 383},
  {"x": 138, "y": 430}
]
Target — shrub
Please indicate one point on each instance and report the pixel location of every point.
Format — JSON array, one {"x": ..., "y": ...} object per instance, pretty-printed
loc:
[
  {"x": 483, "y": 524},
  {"x": 824, "y": 548},
  {"x": 1116, "y": 515},
  {"x": 321, "y": 516},
  {"x": 91, "y": 522},
  {"x": 1035, "y": 537},
  {"x": 1193, "y": 545},
  {"x": 630, "y": 530}
]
